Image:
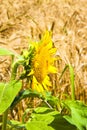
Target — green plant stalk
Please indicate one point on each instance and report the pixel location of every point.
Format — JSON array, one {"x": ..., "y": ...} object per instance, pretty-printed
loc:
[
  {"x": 14, "y": 69},
  {"x": 72, "y": 82},
  {"x": 5, "y": 115},
  {"x": 13, "y": 75},
  {"x": 71, "y": 79},
  {"x": 63, "y": 71},
  {"x": 15, "y": 65}
]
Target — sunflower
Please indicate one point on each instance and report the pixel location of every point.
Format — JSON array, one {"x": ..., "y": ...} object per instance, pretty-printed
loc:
[{"x": 43, "y": 63}]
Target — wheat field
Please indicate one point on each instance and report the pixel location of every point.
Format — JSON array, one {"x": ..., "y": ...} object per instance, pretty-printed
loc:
[{"x": 67, "y": 19}]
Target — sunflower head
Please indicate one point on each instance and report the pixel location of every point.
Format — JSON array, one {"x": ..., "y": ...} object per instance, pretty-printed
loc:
[{"x": 43, "y": 63}]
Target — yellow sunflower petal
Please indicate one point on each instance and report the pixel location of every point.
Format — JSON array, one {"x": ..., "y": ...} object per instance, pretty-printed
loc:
[
  {"x": 36, "y": 86},
  {"x": 47, "y": 81},
  {"x": 49, "y": 45},
  {"x": 40, "y": 88},
  {"x": 34, "y": 83},
  {"x": 45, "y": 87},
  {"x": 52, "y": 51},
  {"x": 52, "y": 69}
]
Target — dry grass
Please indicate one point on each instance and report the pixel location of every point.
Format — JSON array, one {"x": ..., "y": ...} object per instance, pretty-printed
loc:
[{"x": 68, "y": 21}]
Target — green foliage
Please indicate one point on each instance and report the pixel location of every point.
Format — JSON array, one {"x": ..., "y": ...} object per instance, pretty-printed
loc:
[
  {"x": 78, "y": 114},
  {"x": 44, "y": 118},
  {"x": 16, "y": 125},
  {"x": 25, "y": 94},
  {"x": 51, "y": 99},
  {"x": 47, "y": 97},
  {"x": 8, "y": 91},
  {"x": 38, "y": 125},
  {"x": 4, "y": 52}
]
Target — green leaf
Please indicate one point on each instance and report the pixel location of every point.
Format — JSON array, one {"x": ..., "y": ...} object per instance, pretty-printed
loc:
[
  {"x": 60, "y": 123},
  {"x": 78, "y": 114},
  {"x": 42, "y": 110},
  {"x": 4, "y": 52},
  {"x": 24, "y": 94},
  {"x": 8, "y": 92},
  {"x": 41, "y": 118},
  {"x": 44, "y": 118},
  {"x": 30, "y": 93},
  {"x": 16, "y": 124},
  {"x": 34, "y": 125}
]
